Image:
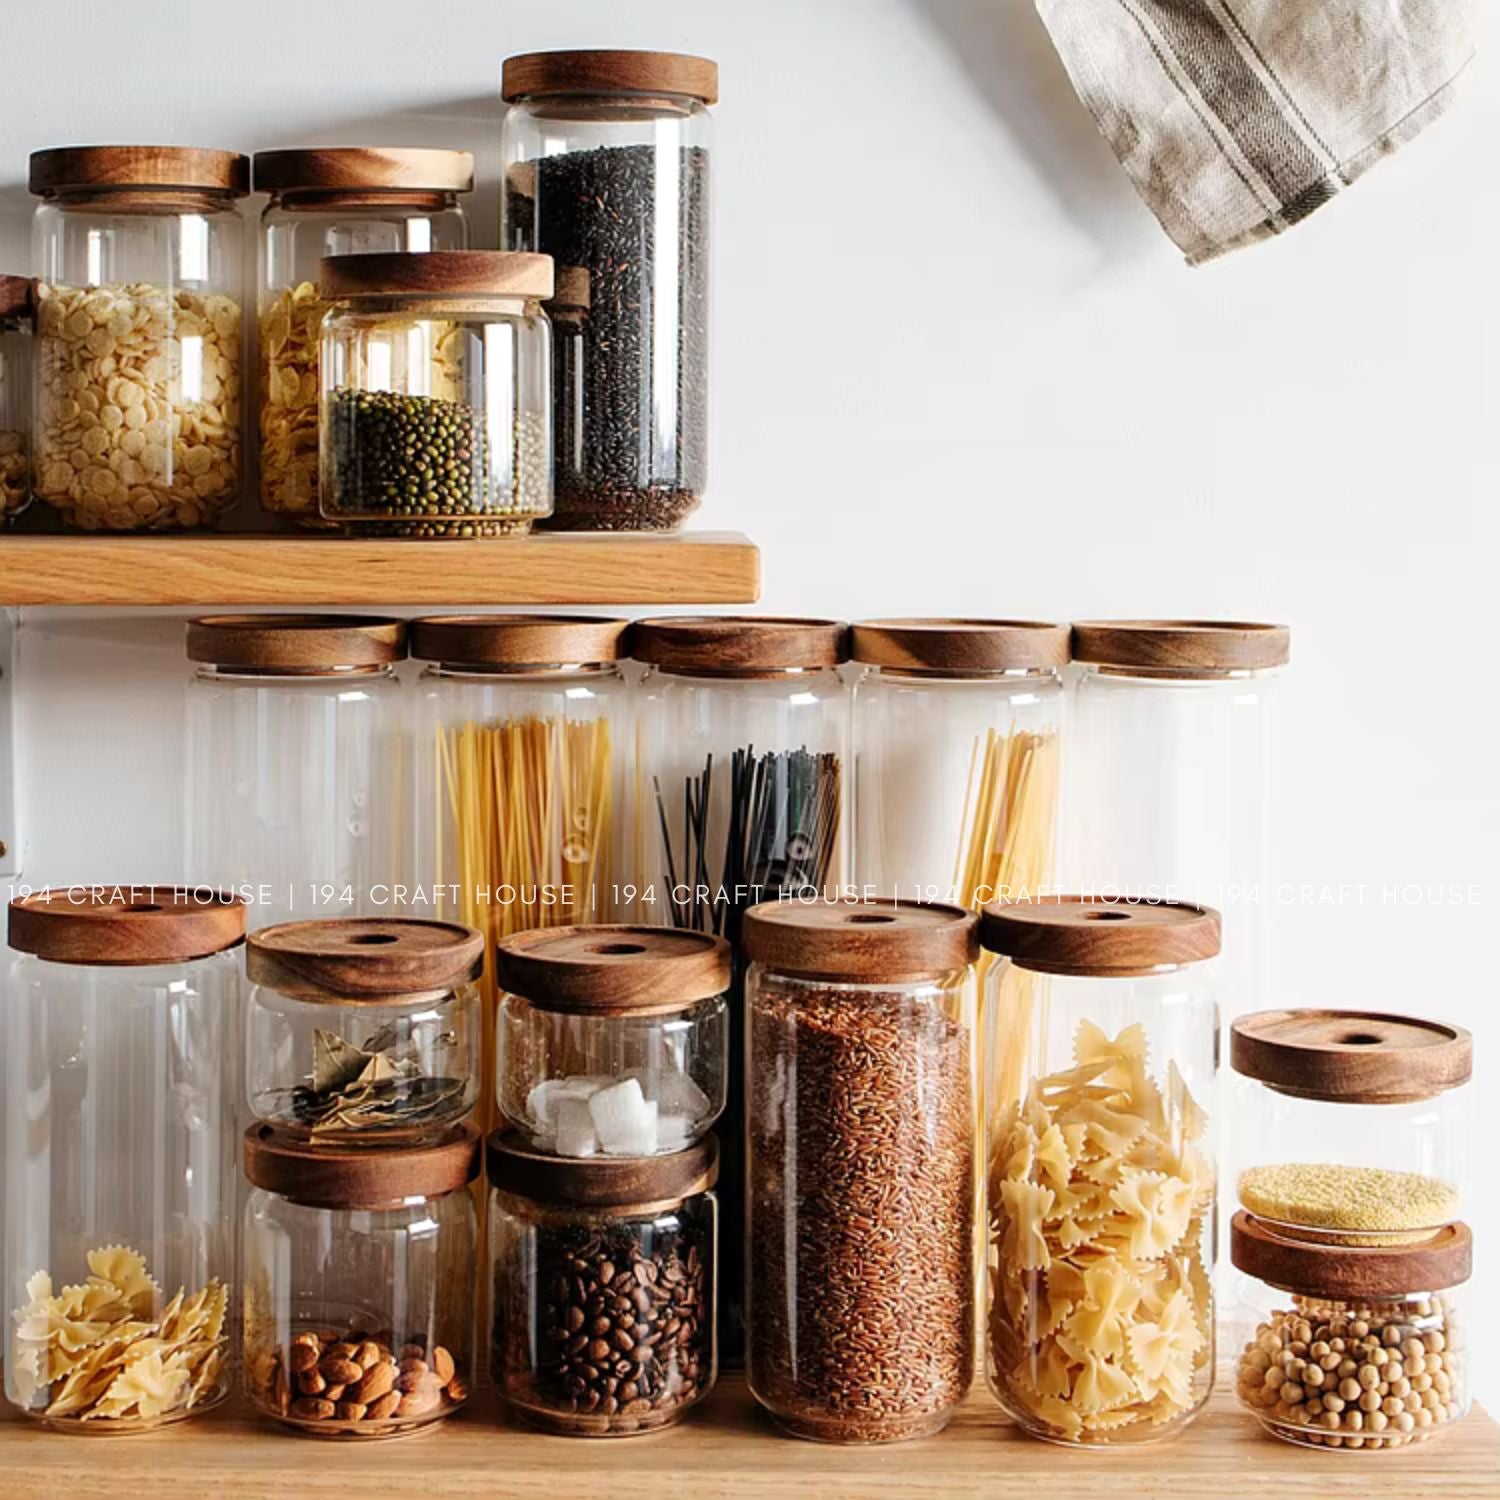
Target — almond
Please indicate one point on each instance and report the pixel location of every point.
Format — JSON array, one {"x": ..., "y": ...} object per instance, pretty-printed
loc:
[
  {"x": 413, "y": 1366},
  {"x": 457, "y": 1389},
  {"x": 368, "y": 1354},
  {"x": 417, "y": 1404},
  {"x": 383, "y": 1407},
  {"x": 418, "y": 1380},
  {"x": 310, "y": 1383},
  {"x": 378, "y": 1379},
  {"x": 281, "y": 1395},
  {"x": 309, "y": 1339},
  {"x": 302, "y": 1357},
  {"x": 340, "y": 1371},
  {"x": 334, "y": 1393},
  {"x": 442, "y": 1364},
  {"x": 351, "y": 1411},
  {"x": 341, "y": 1351},
  {"x": 313, "y": 1409},
  {"x": 413, "y": 1351}
]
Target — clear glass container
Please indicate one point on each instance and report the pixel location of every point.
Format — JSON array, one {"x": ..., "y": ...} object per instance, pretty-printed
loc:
[
  {"x": 296, "y": 762},
  {"x": 860, "y": 1307},
  {"x": 607, "y": 159},
  {"x": 17, "y": 321},
  {"x": 437, "y": 393},
  {"x": 346, "y": 200},
  {"x": 612, "y": 1040},
  {"x": 1100, "y": 1174},
  {"x": 139, "y": 254},
  {"x": 365, "y": 1031},
  {"x": 119, "y": 1152},
  {"x": 359, "y": 1275},
  {"x": 603, "y": 1287}
]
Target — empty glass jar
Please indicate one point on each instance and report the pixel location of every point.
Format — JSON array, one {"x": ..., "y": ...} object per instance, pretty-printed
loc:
[{"x": 17, "y": 307}]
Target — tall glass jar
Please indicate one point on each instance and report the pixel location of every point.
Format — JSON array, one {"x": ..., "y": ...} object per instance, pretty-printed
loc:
[
  {"x": 437, "y": 393},
  {"x": 17, "y": 315},
  {"x": 138, "y": 252},
  {"x": 607, "y": 159},
  {"x": 296, "y": 793},
  {"x": 119, "y": 1153},
  {"x": 1101, "y": 1168},
  {"x": 332, "y": 200}
]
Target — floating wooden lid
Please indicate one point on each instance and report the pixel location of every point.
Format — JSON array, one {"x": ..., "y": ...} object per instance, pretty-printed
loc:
[
  {"x": 609, "y": 72},
  {"x": 960, "y": 646},
  {"x": 125, "y": 924},
  {"x": 327, "y": 1176},
  {"x": 83, "y": 169},
  {"x": 1184, "y": 648},
  {"x": 295, "y": 643},
  {"x": 353, "y": 169},
  {"x": 711, "y": 644},
  {"x": 437, "y": 273},
  {"x": 517, "y": 640},
  {"x": 574, "y": 288},
  {"x": 1092, "y": 935},
  {"x": 1351, "y": 1056},
  {"x": 1350, "y": 1271},
  {"x": 861, "y": 941},
  {"x": 351, "y": 959},
  {"x": 607, "y": 970},
  {"x": 600, "y": 1181},
  {"x": 17, "y": 296}
]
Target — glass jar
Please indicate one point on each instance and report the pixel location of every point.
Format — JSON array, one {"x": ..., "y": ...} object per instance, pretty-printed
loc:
[
  {"x": 363, "y": 1032},
  {"x": 295, "y": 767},
  {"x": 606, "y": 170},
  {"x": 119, "y": 1147},
  {"x": 1101, "y": 1169},
  {"x": 17, "y": 310},
  {"x": 358, "y": 1283},
  {"x": 613, "y": 1040},
  {"x": 341, "y": 200},
  {"x": 139, "y": 255},
  {"x": 437, "y": 403},
  {"x": 1358, "y": 1348},
  {"x": 860, "y": 1308},
  {"x": 603, "y": 1287}
]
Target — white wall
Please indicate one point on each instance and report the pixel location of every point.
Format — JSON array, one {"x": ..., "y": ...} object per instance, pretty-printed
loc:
[{"x": 957, "y": 369}]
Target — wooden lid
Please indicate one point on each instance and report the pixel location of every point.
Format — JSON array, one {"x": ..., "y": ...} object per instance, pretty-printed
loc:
[
  {"x": 364, "y": 958},
  {"x": 712, "y": 644},
  {"x": 600, "y": 1181},
  {"x": 83, "y": 169},
  {"x": 125, "y": 924},
  {"x": 295, "y": 643},
  {"x": 609, "y": 72},
  {"x": 517, "y": 640},
  {"x": 329, "y": 1176},
  {"x": 17, "y": 295},
  {"x": 1185, "y": 648},
  {"x": 352, "y": 169},
  {"x": 1350, "y": 1271},
  {"x": 960, "y": 645},
  {"x": 1104, "y": 937},
  {"x": 437, "y": 273},
  {"x": 613, "y": 969},
  {"x": 1351, "y": 1056},
  {"x": 574, "y": 288},
  {"x": 861, "y": 941}
]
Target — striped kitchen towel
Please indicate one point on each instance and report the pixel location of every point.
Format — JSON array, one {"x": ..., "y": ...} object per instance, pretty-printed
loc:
[{"x": 1237, "y": 118}]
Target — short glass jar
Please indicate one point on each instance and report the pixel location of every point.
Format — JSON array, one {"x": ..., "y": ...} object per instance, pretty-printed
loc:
[
  {"x": 612, "y": 1040},
  {"x": 359, "y": 1270},
  {"x": 365, "y": 1031},
  {"x": 333, "y": 200},
  {"x": 17, "y": 322},
  {"x": 119, "y": 1154},
  {"x": 436, "y": 374},
  {"x": 1103, "y": 1044},
  {"x": 138, "y": 251},
  {"x": 860, "y": 1304},
  {"x": 604, "y": 1287},
  {"x": 607, "y": 171}
]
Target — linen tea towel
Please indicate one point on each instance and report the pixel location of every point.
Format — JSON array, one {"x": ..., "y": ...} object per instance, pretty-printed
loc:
[{"x": 1238, "y": 118}]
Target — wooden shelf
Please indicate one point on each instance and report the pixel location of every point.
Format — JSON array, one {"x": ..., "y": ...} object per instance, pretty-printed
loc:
[
  {"x": 289, "y": 571},
  {"x": 727, "y": 1448}
]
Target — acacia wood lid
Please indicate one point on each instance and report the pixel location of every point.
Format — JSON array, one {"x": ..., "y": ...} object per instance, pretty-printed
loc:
[
  {"x": 613, "y": 969},
  {"x": 354, "y": 169},
  {"x": 517, "y": 640},
  {"x": 364, "y": 958},
  {"x": 1098, "y": 936},
  {"x": 1351, "y": 1056},
  {"x": 437, "y": 273},
  {"x": 861, "y": 941},
  {"x": 125, "y": 924},
  {"x": 712, "y": 644},
  {"x": 609, "y": 72},
  {"x": 1183, "y": 648},
  {"x": 599, "y": 1181},
  {"x": 960, "y": 645},
  {"x": 1345, "y": 1271},
  {"x": 17, "y": 296},
  {"x": 327, "y": 1176},
  {"x": 81, "y": 169},
  {"x": 295, "y": 643}
]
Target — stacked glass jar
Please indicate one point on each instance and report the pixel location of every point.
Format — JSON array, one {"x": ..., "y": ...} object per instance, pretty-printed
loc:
[{"x": 17, "y": 317}]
